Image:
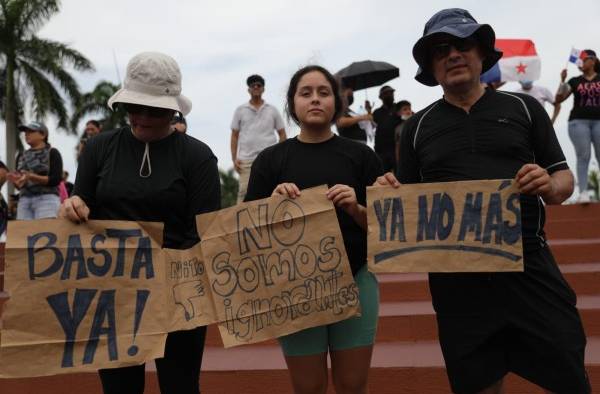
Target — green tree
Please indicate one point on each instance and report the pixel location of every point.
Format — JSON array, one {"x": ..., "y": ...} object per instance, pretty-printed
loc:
[
  {"x": 95, "y": 102},
  {"x": 229, "y": 188},
  {"x": 35, "y": 68}
]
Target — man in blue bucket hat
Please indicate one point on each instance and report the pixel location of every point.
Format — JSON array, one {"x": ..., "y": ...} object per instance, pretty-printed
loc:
[{"x": 493, "y": 323}]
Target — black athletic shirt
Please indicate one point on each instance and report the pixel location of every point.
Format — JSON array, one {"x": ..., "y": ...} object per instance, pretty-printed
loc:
[
  {"x": 502, "y": 132},
  {"x": 184, "y": 182},
  {"x": 335, "y": 161},
  {"x": 586, "y": 98}
]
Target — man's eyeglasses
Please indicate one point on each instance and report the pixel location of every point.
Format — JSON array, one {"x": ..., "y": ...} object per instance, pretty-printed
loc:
[
  {"x": 443, "y": 49},
  {"x": 153, "y": 112},
  {"x": 256, "y": 85}
]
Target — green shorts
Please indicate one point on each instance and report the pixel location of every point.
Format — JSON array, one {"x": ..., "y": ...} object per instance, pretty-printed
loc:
[{"x": 346, "y": 334}]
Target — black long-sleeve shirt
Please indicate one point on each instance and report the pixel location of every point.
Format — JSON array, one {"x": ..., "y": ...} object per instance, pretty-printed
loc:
[{"x": 184, "y": 182}]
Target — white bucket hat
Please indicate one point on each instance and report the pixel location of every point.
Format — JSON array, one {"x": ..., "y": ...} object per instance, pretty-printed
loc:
[{"x": 153, "y": 79}]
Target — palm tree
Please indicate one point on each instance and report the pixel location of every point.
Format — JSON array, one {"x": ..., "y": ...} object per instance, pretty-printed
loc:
[
  {"x": 35, "y": 67},
  {"x": 94, "y": 102},
  {"x": 229, "y": 188},
  {"x": 3, "y": 104}
]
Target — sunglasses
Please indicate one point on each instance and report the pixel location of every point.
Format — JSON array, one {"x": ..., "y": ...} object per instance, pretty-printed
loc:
[
  {"x": 443, "y": 49},
  {"x": 152, "y": 112}
]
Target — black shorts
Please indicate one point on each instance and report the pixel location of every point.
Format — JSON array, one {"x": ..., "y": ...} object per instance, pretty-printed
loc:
[{"x": 525, "y": 323}]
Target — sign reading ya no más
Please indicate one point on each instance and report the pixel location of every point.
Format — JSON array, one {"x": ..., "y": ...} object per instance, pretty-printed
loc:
[{"x": 471, "y": 226}]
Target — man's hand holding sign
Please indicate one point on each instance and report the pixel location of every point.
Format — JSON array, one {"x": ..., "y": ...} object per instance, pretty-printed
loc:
[
  {"x": 489, "y": 211},
  {"x": 445, "y": 227}
]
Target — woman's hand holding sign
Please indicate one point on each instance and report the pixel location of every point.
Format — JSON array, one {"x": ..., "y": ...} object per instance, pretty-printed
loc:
[
  {"x": 387, "y": 179},
  {"x": 74, "y": 209},
  {"x": 286, "y": 189},
  {"x": 344, "y": 197}
]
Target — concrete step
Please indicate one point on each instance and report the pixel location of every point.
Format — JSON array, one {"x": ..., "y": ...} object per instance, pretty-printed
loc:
[
  {"x": 584, "y": 278},
  {"x": 575, "y": 251},
  {"x": 415, "y": 321},
  {"x": 572, "y": 212},
  {"x": 415, "y": 367},
  {"x": 576, "y": 229}
]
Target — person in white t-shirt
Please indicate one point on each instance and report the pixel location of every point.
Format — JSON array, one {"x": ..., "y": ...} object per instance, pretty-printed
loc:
[
  {"x": 252, "y": 130},
  {"x": 541, "y": 94}
]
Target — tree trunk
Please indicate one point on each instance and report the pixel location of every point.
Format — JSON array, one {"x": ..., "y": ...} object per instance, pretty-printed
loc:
[{"x": 10, "y": 118}]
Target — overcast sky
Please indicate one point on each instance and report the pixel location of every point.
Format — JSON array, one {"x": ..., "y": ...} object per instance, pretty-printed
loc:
[{"x": 218, "y": 44}]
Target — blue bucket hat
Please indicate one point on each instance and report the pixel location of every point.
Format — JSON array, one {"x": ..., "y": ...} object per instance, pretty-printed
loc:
[{"x": 458, "y": 23}]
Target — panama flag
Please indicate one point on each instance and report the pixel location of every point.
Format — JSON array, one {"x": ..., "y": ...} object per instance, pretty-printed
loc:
[
  {"x": 577, "y": 56},
  {"x": 519, "y": 62}
]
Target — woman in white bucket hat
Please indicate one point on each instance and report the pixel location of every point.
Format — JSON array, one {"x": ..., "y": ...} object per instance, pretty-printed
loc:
[{"x": 147, "y": 172}]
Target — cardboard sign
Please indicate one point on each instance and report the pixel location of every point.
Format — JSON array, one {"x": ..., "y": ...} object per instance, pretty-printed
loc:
[
  {"x": 83, "y": 297},
  {"x": 277, "y": 266},
  {"x": 188, "y": 290},
  {"x": 104, "y": 295},
  {"x": 471, "y": 226}
]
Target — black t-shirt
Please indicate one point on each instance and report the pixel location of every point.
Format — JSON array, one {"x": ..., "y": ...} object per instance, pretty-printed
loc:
[
  {"x": 502, "y": 132},
  {"x": 184, "y": 182},
  {"x": 335, "y": 161},
  {"x": 353, "y": 132},
  {"x": 385, "y": 140},
  {"x": 586, "y": 98}
]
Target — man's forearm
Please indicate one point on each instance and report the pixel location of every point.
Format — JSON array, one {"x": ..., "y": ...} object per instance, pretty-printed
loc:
[
  {"x": 555, "y": 112},
  {"x": 562, "y": 187},
  {"x": 234, "y": 145},
  {"x": 282, "y": 135}
]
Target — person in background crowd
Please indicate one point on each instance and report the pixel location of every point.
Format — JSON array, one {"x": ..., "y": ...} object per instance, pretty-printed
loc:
[
  {"x": 349, "y": 123},
  {"x": 315, "y": 157},
  {"x": 13, "y": 203},
  {"x": 3, "y": 205},
  {"x": 253, "y": 129},
  {"x": 38, "y": 174},
  {"x": 584, "y": 120},
  {"x": 404, "y": 111},
  {"x": 92, "y": 128},
  {"x": 493, "y": 323},
  {"x": 68, "y": 185},
  {"x": 387, "y": 120},
  {"x": 541, "y": 94},
  {"x": 148, "y": 172},
  {"x": 179, "y": 124}
]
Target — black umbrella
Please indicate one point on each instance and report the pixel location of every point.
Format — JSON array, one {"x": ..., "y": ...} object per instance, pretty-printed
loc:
[{"x": 366, "y": 74}]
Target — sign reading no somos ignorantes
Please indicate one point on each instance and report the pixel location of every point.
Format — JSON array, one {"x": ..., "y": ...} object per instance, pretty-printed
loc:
[{"x": 471, "y": 226}]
